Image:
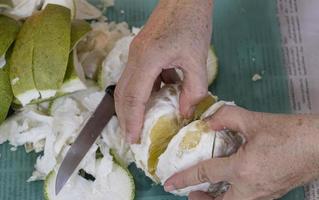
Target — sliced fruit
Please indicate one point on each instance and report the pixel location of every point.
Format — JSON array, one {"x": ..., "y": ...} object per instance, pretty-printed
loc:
[
  {"x": 51, "y": 49},
  {"x": 21, "y": 73},
  {"x": 117, "y": 184},
  {"x": 5, "y": 93},
  {"x": 7, "y": 35},
  {"x": 212, "y": 66}
]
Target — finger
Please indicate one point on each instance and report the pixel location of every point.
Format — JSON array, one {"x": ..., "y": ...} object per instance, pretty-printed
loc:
[
  {"x": 194, "y": 88},
  {"x": 229, "y": 195},
  {"x": 213, "y": 171},
  {"x": 118, "y": 96},
  {"x": 170, "y": 76},
  {"x": 157, "y": 84},
  {"x": 198, "y": 195},
  {"x": 135, "y": 96},
  {"x": 231, "y": 117}
]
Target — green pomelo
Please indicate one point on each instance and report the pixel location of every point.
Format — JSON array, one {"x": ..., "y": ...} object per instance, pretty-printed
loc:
[
  {"x": 8, "y": 33},
  {"x": 79, "y": 28},
  {"x": 6, "y": 4},
  {"x": 70, "y": 4},
  {"x": 21, "y": 73},
  {"x": 5, "y": 93},
  {"x": 51, "y": 49},
  {"x": 72, "y": 82}
]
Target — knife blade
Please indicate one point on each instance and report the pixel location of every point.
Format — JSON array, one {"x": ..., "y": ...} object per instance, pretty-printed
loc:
[{"x": 88, "y": 135}]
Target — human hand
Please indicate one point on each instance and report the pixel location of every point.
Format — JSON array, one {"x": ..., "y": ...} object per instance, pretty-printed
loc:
[
  {"x": 177, "y": 35},
  {"x": 280, "y": 153}
]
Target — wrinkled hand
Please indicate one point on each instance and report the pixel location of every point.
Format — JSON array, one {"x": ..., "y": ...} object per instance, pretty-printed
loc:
[
  {"x": 177, "y": 35},
  {"x": 280, "y": 153}
]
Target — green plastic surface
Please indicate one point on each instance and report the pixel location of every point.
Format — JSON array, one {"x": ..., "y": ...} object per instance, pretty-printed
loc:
[{"x": 247, "y": 41}]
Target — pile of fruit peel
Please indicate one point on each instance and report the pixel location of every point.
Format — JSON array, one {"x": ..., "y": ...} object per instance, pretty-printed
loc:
[{"x": 56, "y": 59}]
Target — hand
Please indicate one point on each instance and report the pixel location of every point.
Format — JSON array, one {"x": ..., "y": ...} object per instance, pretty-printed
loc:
[
  {"x": 280, "y": 153},
  {"x": 176, "y": 35}
]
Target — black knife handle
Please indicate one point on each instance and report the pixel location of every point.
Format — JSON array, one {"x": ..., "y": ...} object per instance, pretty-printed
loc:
[{"x": 110, "y": 90}]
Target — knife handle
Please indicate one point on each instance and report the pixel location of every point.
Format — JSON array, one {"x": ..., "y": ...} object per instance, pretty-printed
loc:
[{"x": 110, "y": 90}]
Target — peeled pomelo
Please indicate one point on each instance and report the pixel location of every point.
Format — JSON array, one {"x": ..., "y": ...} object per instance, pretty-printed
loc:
[
  {"x": 170, "y": 144},
  {"x": 162, "y": 122},
  {"x": 194, "y": 143},
  {"x": 203, "y": 105}
]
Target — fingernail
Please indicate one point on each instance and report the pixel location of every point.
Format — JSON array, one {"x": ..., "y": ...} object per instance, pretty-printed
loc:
[{"x": 169, "y": 187}]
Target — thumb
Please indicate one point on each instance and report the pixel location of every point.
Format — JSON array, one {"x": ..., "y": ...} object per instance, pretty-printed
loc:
[
  {"x": 198, "y": 195},
  {"x": 194, "y": 88},
  {"x": 213, "y": 171},
  {"x": 233, "y": 118}
]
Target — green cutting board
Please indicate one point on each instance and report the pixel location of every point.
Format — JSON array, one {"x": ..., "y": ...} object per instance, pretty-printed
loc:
[{"x": 247, "y": 41}]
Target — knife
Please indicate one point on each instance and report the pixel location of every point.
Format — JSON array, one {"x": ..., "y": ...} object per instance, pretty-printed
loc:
[{"x": 86, "y": 138}]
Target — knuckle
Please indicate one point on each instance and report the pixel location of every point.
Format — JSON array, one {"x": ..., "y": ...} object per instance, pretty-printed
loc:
[
  {"x": 132, "y": 101},
  {"x": 182, "y": 181},
  {"x": 245, "y": 172},
  {"x": 201, "y": 174}
]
